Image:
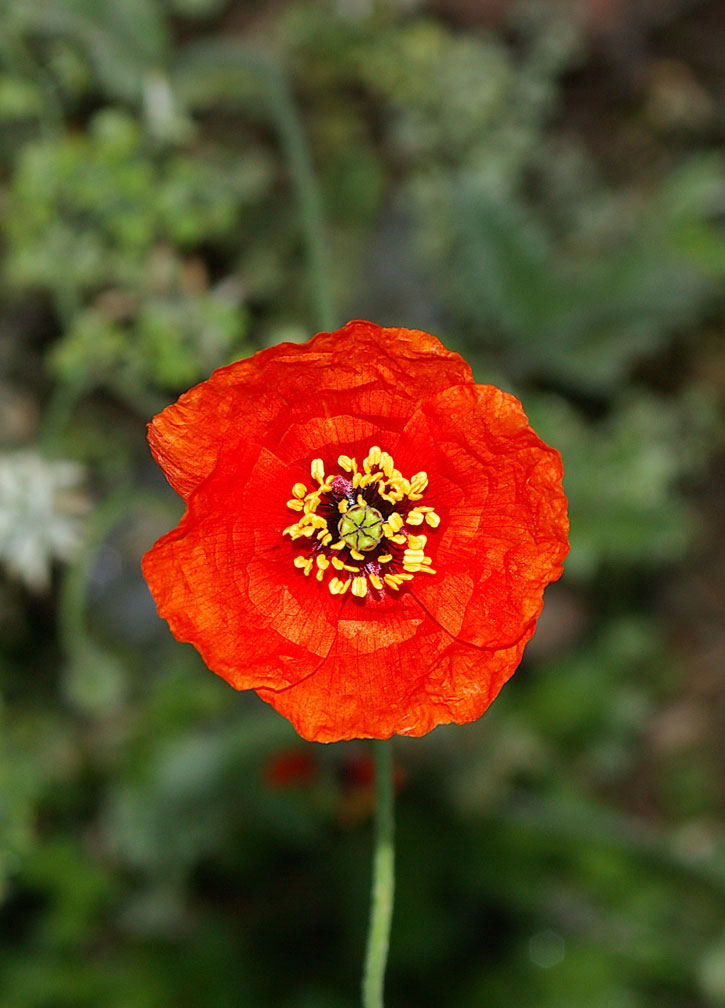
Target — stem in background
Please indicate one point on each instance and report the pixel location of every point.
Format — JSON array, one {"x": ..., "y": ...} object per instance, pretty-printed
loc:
[
  {"x": 383, "y": 881},
  {"x": 212, "y": 72},
  {"x": 308, "y": 196}
]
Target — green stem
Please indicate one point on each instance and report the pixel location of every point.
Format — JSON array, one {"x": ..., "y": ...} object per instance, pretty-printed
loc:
[
  {"x": 309, "y": 199},
  {"x": 210, "y": 73},
  {"x": 383, "y": 882}
]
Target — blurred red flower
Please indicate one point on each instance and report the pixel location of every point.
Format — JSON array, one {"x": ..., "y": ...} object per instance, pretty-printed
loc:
[
  {"x": 290, "y": 768},
  {"x": 368, "y": 533}
]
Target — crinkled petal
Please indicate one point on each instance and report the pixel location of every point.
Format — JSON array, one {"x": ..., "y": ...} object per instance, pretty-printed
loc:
[
  {"x": 338, "y": 666},
  {"x": 362, "y": 368}
]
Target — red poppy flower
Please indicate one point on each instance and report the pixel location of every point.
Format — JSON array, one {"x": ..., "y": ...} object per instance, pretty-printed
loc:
[{"x": 368, "y": 533}]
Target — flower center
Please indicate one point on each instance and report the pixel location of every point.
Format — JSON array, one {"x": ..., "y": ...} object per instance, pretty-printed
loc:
[{"x": 361, "y": 528}]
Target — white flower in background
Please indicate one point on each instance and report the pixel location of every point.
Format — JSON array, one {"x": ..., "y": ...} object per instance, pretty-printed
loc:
[{"x": 41, "y": 511}]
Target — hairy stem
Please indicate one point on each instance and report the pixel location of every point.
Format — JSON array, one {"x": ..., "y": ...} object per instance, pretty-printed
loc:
[{"x": 383, "y": 880}]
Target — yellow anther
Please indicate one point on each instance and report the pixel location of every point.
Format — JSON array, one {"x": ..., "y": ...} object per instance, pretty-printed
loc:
[
  {"x": 317, "y": 470},
  {"x": 322, "y": 562},
  {"x": 349, "y": 567},
  {"x": 386, "y": 463},
  {"x": 399, "y": 539},
  {"x": 338, "y": 545},
  {"x": 300, "y": 561},
  {"x": 361, "y": 500},
  {"x": 308, "y": 531},
  {"x": 390, "y": 581},
  {"x": 326, "y": 539},
  {"x": 335, "y": 586},
  {"x": 299, "y": 490},
  {"x": 419, "y": 482},
  {"x": 319, "y": 575},
  {"x": 414, "y": 517},
  {"x": 403, "y": 576},
  {"x": 415, "y": 496},
  {"x": 356, "y": 479},
  {"x": 376, "y": 582},
  {"x": 427, "y": 570},
  {"x": 355, "y": 555},
  {"x": 359, "y": 587},
  {"x": 308, "y": 566},
  {"x": 346, "y": 463},
  {"x": 295, "y": 505},
  {"x": 374, "y": 455},
  {"x": 312, "y": 501},
  {"x": 433, "y": 519},
  {"x": 395, "y": 522},
  {"x": 343, "y": 506},
  {"x": 337, "y": 563},
  {"x": 417, "y": 542},
  {"x": 312, "y": 520},
  {"x": 386, "y": 558}
]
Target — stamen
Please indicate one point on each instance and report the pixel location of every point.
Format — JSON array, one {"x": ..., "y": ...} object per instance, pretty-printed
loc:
[
  {"x": 366, "y": 531},
  {"x": 395, "y": 522},
  {"x": 419, "y": 482}
]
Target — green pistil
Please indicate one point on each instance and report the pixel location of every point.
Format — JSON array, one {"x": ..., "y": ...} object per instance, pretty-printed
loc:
[{"x": 361, "y": 528}]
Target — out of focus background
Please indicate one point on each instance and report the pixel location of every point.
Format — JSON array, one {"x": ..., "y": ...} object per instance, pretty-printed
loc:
[{"x": 183, "y": 182}]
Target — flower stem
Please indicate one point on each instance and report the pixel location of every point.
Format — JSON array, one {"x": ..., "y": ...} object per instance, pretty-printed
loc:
[
  {"x": 383, "y": 882},
  {"x": 214, "y": 71}
]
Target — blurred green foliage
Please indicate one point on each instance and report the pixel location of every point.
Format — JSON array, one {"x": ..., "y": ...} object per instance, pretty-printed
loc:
[{"x": 161, "y": 218}]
